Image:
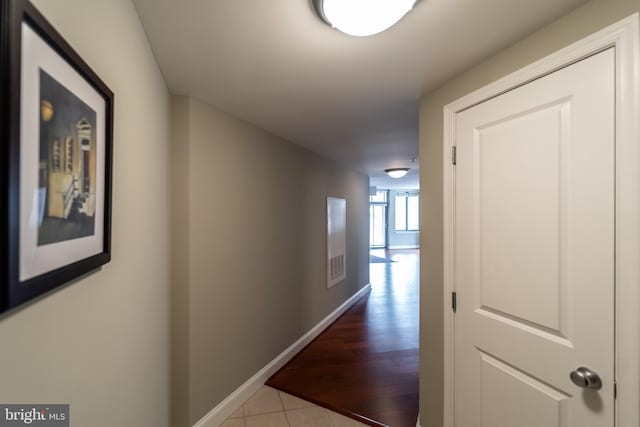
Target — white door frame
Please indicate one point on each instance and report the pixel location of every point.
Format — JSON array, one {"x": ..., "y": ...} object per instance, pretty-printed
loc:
[{"x": 625, "y": 37}]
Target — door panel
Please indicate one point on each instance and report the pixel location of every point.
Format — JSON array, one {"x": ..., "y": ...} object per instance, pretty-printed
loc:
[
  {"x": 535, "y": 251},
  {"x": 532, "y": 177},
  {"x": 511, "y": 397}
]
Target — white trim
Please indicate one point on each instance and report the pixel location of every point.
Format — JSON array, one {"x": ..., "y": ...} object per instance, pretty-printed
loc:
[
  {"x": 625, "y": 37},
  {"x": 228, "y": 406},
  {"x": 404, "y": 247},
  {"x": 448, "y": 227},
  {"x": 628, "y": 224},
  {"x": 418, "y": 420}
]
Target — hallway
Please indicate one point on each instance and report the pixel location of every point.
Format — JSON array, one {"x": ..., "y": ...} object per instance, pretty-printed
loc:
[{"x": 365, "y": 365}]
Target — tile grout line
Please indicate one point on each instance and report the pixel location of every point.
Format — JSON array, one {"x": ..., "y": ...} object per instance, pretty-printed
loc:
[
  {"x": 264, "y": 413},
  {"x": 283, "y": 408},
  {"x": 326, "y": 414},
  {"x": 286, "y": 417},
  {"x": 325, "y": 411}
]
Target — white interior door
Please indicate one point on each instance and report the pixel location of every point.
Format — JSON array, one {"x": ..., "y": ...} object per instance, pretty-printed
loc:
[{"x": 534, "y": 252}]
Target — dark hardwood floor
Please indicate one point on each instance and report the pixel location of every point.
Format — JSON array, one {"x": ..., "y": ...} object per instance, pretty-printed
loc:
[{"x": 365, "y": 365}]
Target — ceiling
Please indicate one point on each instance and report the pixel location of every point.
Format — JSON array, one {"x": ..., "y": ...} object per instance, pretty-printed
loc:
[{"x": 275, "y": 64}]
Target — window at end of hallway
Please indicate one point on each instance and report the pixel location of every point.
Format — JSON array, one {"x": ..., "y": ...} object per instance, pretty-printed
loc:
[
  {"x": 407, "y": 211},
  {"x": 379, "y": 197}
]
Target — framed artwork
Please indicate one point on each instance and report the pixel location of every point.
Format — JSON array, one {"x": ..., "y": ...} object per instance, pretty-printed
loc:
[{"x": 56, "y": 139}]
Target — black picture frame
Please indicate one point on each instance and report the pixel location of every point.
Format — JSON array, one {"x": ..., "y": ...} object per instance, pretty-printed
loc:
[{"x": 61, "y": 221}]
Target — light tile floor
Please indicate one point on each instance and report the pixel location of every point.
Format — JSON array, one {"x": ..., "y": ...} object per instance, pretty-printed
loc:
[{"x": 272, "y": 408}]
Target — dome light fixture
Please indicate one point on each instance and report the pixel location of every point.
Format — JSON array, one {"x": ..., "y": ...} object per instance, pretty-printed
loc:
[
  {"x": 397, "y": 172},
  {"x": 362, "y": 17}
]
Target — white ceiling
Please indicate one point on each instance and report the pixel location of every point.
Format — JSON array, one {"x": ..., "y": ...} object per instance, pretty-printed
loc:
[{"x": 275, "y": 64}]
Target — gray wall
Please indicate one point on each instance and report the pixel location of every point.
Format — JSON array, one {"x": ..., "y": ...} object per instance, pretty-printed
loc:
[
  {"x": 101, "y": 343},
  {"x": 399, "y": 239},
  {"x": 249, "y": 212},
  {"x": 585, "y": 20}
]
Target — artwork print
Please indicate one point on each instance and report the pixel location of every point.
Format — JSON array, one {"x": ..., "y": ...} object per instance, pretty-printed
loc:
[{"x": 67, "y": 166}]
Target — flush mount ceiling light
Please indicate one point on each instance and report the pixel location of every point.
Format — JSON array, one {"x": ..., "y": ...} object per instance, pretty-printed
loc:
[
  {"x": 362, "y": 17},
  {"x": 397, "y": 172}
]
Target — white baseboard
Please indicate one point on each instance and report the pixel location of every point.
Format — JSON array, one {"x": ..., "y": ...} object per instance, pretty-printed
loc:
[
  {"x": 228, "y": 406},
  {"x": 404, "y": 247},
  {"x": 418, "y": 420}
]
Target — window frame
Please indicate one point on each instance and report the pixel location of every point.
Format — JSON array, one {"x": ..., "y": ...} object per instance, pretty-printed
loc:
[{"x": 405, "y": 194}]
